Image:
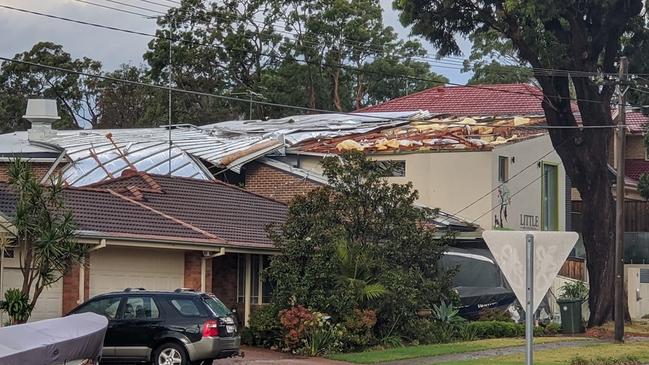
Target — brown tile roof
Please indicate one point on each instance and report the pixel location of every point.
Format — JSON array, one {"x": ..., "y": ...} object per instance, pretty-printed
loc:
[{"x": 153, "y": 206}]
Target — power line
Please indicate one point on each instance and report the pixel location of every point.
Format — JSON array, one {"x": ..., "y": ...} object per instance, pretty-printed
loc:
[
  {"x": 167, "y": 7},
  {"x": 103, "y": 6},
  {"x": 134, "y": 6},
  {"x": 503, "y": 183},
  {"x": 267, "y": 103},
  {"x": 340, "y": 66},
  {"x": 511, "y": 196}
]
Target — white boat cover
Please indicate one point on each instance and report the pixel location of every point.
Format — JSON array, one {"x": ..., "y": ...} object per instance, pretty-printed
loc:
[{"x": 53, "y": 341}]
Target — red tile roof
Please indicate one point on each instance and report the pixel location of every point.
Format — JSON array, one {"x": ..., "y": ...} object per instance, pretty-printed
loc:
[
  {"x": 636, "y": 121},
  {"x": 179, "y": 209},
  {"x": 499, "y": 99},
  {"x": 635, "y": 168}
]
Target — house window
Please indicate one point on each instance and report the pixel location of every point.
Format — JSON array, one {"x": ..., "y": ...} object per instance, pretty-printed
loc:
[
  {"x": 258, "y": 263},
  {"x": 550, "y": 197},
  {"x": 503, "y": 169},
  {"x": 9, "y": 253},
  {"x": 393, "y": 168}
]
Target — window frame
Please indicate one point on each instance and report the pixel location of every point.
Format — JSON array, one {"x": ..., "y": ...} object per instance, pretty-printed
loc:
[
  {"x": 503, "y": 164},
  {"x": 151, "y": 297},
  {"x": 201, "y": 311},
  {"x": 543, "y": 219},
  {"x": 118, "y": 312}
]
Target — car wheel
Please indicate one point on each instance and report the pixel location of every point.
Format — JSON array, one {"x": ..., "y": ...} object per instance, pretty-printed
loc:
[{"x": 170, "y": 354}]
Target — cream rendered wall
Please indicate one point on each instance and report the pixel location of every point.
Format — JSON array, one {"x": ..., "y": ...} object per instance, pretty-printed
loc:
[
  {"x": 446, "y": 180},
  {"x": 525, "y": 188},
  {"x": 49, "y": 303}
]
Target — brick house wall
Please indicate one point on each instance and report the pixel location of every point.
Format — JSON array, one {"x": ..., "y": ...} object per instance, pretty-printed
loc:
[
  {"x": 274, "y": 183},
  {"x": 39, "y": 168},
  {"x": 224, "y": 279},
  {"x": 193, "y": 271},
  {"x": 71, "y": 288}
]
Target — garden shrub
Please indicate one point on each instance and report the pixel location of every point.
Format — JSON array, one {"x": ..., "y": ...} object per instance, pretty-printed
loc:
[
  {"x": 550, "y": 329},
  {"x": 490, "y": 314},
  {"x": 264, "y": 328},
  {"x": 496, "y": 329},
  {"x": 358, "y": 329},
  {"x": 379, "y": 226},
  {"x": 295, "y": 322}
]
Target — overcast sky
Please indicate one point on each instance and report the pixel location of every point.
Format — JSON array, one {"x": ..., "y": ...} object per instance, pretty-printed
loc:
[{"x": 20, "y": 31}]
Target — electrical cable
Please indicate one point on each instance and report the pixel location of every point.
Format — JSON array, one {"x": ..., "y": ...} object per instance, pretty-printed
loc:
[{"x": 340, "y": 66}]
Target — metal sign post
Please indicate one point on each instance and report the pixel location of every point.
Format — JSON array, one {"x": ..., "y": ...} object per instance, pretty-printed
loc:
[
  {"x": 529, "y": 308},
  {"x": 530, "y": 261}
]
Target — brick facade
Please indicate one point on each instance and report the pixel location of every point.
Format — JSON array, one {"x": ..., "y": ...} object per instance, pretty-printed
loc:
[
  {"x": 274, "y": 183},
  {"x": 71, "y": 287},
  {"x": 193, "y": 271},
  {"x": 39, "y": 168},
  {"x": 224, "y": 279}
]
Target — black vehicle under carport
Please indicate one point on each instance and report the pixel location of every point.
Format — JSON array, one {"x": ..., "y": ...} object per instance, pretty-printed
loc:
[{"x": 478, "y": 281}]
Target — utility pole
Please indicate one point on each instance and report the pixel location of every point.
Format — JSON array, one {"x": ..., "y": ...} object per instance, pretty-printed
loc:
[
  {"x": 169, "y": 96},
  {"x": 619, "y": 202}
]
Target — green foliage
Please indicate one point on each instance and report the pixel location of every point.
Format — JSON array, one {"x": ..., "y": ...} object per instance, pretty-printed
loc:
[
  {"x": 264, "y": 328},
  {"x": 575, "y": 290},
  {"x": 383, "y": 244},
  {"x": 446, "y": 313},
  {"x": 490, "y": 314},
  {"x": 356, "y": 274},
  {"x": 77, "y": 95},
  {"x": 495, "y": 329},
  {"x": 16, "y": 305},
  {"x": 44, "y": 231},
  {"x": 358, "y": 331}
]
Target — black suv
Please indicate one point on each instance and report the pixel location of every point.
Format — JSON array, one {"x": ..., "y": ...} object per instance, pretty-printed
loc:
[{"x": 181, "y": 327}]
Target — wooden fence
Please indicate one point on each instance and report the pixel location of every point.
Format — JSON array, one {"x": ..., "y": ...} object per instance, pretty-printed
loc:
[
  {"x": 574, "y": 268},
  {"x": 636, "y": 216}
]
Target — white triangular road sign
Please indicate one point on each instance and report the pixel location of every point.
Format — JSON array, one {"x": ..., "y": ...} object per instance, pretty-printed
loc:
[{"x": 550, "y": 252}]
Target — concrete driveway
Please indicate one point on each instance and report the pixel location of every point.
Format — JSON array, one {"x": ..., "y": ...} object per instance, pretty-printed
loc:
[{"x": 257, "y": 356}]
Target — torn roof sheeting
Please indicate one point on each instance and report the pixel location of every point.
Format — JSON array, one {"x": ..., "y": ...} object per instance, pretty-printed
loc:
[
  {"x": 97, "y": 155},
  {"x": 299, "y": 128},
  {"x": 451, "y": 133}
]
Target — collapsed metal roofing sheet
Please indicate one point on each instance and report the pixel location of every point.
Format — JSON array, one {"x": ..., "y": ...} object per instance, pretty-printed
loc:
[
  {"x": 299, "y": 128},
  {"x": 97, "y": 155}
]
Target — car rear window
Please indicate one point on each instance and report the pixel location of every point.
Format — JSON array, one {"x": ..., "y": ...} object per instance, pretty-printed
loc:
[
  {"x": 186, "y": 307},
  {"x": 216, "y": 306}
]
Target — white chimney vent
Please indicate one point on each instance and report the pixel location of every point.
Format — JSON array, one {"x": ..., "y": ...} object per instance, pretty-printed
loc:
[{"x": 41, "y": 113}]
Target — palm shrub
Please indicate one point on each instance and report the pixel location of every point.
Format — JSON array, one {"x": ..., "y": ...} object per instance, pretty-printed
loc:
[{"x": 16, "y": 305}]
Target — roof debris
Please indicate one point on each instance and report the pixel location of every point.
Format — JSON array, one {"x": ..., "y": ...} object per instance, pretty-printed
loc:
[{"x": 452, "y": 133}]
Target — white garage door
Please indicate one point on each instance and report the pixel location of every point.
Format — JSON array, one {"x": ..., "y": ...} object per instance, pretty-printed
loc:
[
  {"x": 117, "y": 268},
  {"x": 48, "y": 305}
]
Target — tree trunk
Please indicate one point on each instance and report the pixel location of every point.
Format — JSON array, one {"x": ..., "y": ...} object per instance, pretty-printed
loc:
[
  {"x": 335, "y": 91},
  {"x": 584, "y": 154}
]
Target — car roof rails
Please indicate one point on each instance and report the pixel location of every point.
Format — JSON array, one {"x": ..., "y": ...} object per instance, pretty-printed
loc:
[
  {"x": 180, "y": 290},
  {"x": 133, "y": 289}
]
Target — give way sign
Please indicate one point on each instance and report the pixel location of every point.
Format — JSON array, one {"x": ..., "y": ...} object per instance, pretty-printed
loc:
[{"x": 549, "y": 251}]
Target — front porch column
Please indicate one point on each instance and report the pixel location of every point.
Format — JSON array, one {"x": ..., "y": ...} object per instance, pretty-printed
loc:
[{"x": 247, "y": 290}]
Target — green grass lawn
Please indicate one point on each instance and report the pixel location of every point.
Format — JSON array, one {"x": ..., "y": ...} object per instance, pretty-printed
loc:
[
  {"x": 411, "y": 352},
  {"x": 639, "y": 350}
]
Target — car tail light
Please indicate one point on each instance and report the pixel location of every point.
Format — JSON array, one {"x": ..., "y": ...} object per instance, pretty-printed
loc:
[{"x": 211, "y": 328}]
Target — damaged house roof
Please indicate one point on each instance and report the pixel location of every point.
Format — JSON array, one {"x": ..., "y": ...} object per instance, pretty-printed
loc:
[{"x": 437, "y": 134}]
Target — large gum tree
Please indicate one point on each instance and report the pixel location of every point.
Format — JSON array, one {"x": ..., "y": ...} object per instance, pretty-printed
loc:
[{"x": 576, "y": 35}]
